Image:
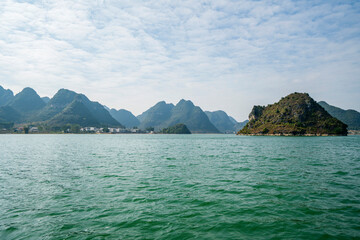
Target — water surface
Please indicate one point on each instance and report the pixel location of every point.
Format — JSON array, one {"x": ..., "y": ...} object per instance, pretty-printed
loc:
[{"x": 179, "y": 187}]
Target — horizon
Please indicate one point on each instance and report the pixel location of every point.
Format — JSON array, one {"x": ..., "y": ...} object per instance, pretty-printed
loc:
[
  {"x": 220, "y": 55},
  {"x": 174, "y": 103}
]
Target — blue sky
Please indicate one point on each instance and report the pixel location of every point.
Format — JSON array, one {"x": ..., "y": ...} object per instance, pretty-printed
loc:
[{"x": 227, "y": 55}]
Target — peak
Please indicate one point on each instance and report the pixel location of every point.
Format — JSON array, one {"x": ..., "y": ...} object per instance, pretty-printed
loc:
[
  {"x": 185, "y": 102},
  {"x": 298, "y": 95},
  {"x": 28, "y": 90},
  {"x": 3, "y": 90},
  {"x": 161, "y": 103},
  {"x": 63, "y": 90}
]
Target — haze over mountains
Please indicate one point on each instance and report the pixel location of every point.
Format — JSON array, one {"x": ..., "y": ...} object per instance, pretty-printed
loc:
[
  {"x": 225, "y": 123},
  {"x": 125, "y": 117},
  {"x": 69, "y": 107}
]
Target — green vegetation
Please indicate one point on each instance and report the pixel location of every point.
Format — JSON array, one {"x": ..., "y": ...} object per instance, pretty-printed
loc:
[
  {"x": 177, "y": 129},
  {"x": 124, "y": 117},
  {"x": 163, "y": 115},
  {"x": 156, "y": 116},
  {"x": 224, "y": 122},
  {"x": 5, "y": 96},
  {"x": 75, "y": 113},
  {"x": 296, "y": 114},
  {"x": 27, "y": 102},
  {"x": 349, "y": 117},
  {"x": 8, "y": 114}
]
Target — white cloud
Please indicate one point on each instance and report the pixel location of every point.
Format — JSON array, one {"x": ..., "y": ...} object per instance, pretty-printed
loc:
[{"x": 225, "y": 54}]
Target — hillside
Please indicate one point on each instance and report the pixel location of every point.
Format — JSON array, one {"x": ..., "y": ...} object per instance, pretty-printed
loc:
[
  {"x": 192, "y": 116},
  {"x": 63, "y": 104},
  {"x": 8, "y": 114},
  {"x": 222, "y": 121},
  {"x": 296, "y": 114},
  {"x": 57, "y": 104},
  {"x": 156, "y": 116},
  {"x": 45, "y": 99},
  {"x": 240, "y": 125},
  {"x": 125, "y": 117},
  {"x": 164, "y": 115},
  {"x": 75, "y": 113},
  {"x": 176, "y": 129},
  {"x": 349, "y": 117},
  {"x": 6, "y": 95},
  {"x": 27, "y": 102}
]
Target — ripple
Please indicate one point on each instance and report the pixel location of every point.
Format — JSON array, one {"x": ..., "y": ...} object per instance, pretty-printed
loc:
[{"x": 179, "y": 187}]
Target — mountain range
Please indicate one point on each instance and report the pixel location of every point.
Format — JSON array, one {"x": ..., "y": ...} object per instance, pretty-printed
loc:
[{"x": 68, "y": 107}]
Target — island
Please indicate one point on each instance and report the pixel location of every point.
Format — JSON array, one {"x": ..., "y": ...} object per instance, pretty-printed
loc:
[
  {"x": 176, "y": 129},
  {"x": 295, "y": 114}
]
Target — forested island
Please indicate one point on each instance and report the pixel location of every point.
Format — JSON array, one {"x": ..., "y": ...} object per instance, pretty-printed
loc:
[{"x": 295, "y": 114}]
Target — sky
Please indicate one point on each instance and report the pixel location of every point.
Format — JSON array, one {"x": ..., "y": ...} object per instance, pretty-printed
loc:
[{"x": 221, "y": 54}]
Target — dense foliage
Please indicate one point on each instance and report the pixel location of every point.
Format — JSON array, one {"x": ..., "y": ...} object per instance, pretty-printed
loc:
[
  {"x": 176, "y": 129},
  {"x": 296, "y": 114}
]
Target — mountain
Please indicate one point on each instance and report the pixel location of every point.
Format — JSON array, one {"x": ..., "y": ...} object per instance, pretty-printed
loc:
[
  {"x": 6, "y": 95},
  {"x": 176, "y": 129},
  {"x": 296, "y": 114},
  {"x": 222, "y": 121},
  {"x": 9, "y": 114},
  {"x": 27, "y": 102},
  {"x": 156, "y": 116},
  {"x": 195, "y": 119},
  {"x": 240, "y": 125},
  {"x": 75, "y": 113},
  {"x": 125, "y": 117},
  {"x": 233, "y": 120},
  {"x": 164, "y": 115},
  {"x": 45, "y": 99},
  {"x": 99, "y": 112},
  {"x": 349, "y": 117},
  {"x": 64, "y": 98},
  {"x": 57, "y": 104}
]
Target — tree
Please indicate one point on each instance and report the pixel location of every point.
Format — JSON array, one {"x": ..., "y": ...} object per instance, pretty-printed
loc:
[
  {"x": 75, "y": 128},
  {"x": 149, "y": 129}
]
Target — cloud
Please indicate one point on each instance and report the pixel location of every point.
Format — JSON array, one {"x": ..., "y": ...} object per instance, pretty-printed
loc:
[{"x": 225, "y": 55}]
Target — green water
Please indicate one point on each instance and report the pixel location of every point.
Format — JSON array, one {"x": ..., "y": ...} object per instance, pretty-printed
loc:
[{"x": 179, "y": 187}]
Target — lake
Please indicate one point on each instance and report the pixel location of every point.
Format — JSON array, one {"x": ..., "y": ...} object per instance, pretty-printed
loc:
[{"x": 179, "y": 187}]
